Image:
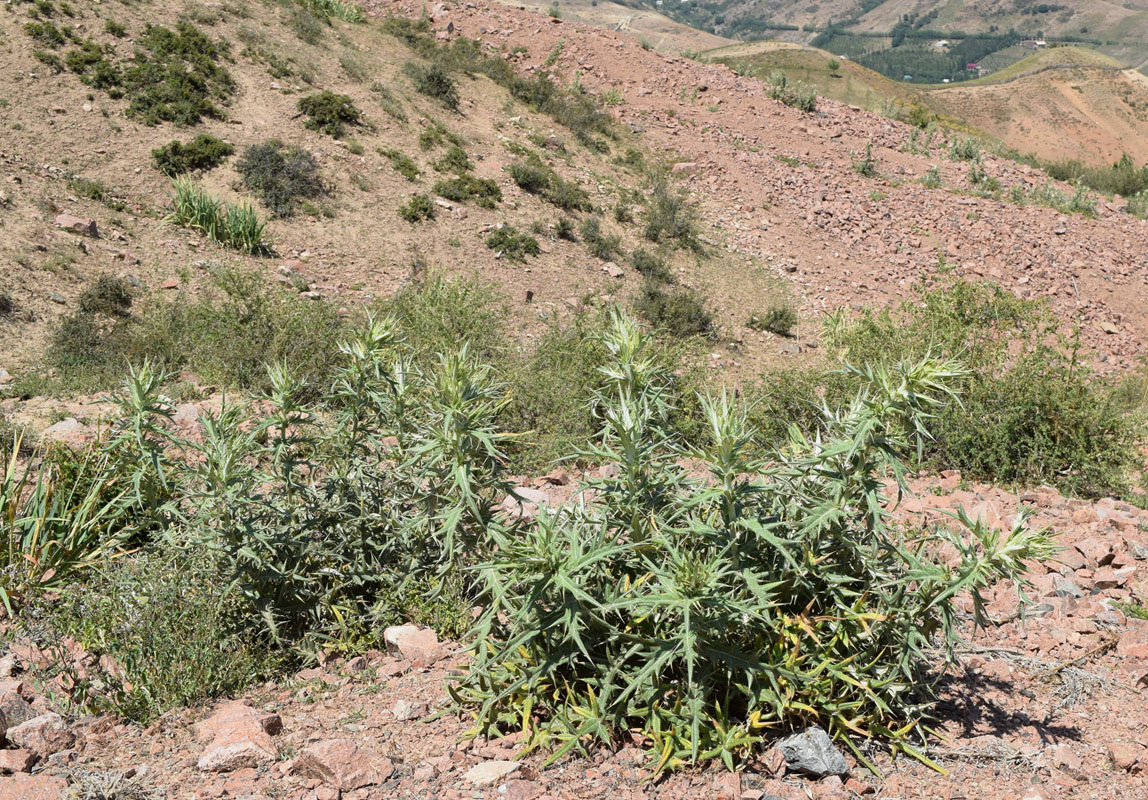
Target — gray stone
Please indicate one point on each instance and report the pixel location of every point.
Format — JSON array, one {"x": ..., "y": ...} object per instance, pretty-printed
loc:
[
  {"x": 488, "y": 772},
  {"x": 812, "y": 752}
]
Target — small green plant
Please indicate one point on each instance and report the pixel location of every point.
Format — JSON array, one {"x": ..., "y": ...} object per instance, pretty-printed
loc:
[
  {"x": 433, "y": 81},
  {"x": 980, "y": 179},
  {"x": 680, "y": 313},
  {"x": 797, "y": 95},
  {"x": 554, "y": 11},
  {"x": 403, "y": 164},
  {"x": 1138, "y": 205},
  {"x": 601, "y": 245},
  {"x": 965, "y": 150},
  {"x": 330, "y": 113},
  {"x": 512, "y": 244},
  {"x": 389, "y": 103},
  {"x": 234, "y": 225},
  {"x": 564, "y": 229},
  {"x": 532, "y": 176},
  {"x": 113, "y": 28},
  {"x": 932, "y": 178},
  {"x": 201, "y": 154},
  {"x": 651, "y": 265},
  {"x": 279, "y": 177},
  {"x": 780, "y": 319},
  {"x": 670, "y": 217},
  {"x": 864, "y": 164},
  {"x": 418, "y": 208},
  {"x": 96, "y": 190},
  {"x": 483, "y": 192},
  {"x": 454, "y": 160},
  {"x": 348, "y": 12},
  {"x": 174, "y": 76},
  {"x": 108, "y": 296}
]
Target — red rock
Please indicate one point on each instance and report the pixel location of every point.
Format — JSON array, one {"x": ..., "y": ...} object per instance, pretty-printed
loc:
[
  {"x": 342, "y": 764},
  {"x": 1123, "y": 755},
  {"x": 419, "y": 645},
  {"x": 522, "y": 790},
  {"x": 228, "y": 756},
  {"x": 33, "y": 787},
  {"x": 231, "y": 715},
  {"x": 17, "y": 760},
  {"x": 43, "y": 735},
  {"x": 727, "y": 786},
  {"x": 85, "y": 227}
]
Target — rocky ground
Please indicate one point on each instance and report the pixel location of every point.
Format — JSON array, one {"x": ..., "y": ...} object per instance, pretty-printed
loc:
[{"x": 1047, "y": 703}]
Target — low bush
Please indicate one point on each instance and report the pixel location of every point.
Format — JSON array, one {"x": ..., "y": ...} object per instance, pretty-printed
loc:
[
  {"x": 223, "y": 335},
  {"x": 418, "y": 208},
  {"x": 437, "y": 315},
  {"x": 173, "y": 76},
  {"x": 108, "y": 296},
  {"x": 604, "y": 246},
  {"x": 200, "y": 154},
  {"x": 348, "y": 12},
  {"x": 965, "y": 150},
  {"x": 97, "y": 190},
  {"x": 1012, "y": 426},
  {"x": 796, "y": 95},
  {"x": 403, "y": 164},
  {"x": 864, "y": 163},
  {"x": 564, "y": 229},
  {"x": 531, "y": 176},
  {"x": 483, "y": 192},
  {"x": 454, "y": 160},
  {"x": 234, "y": 225},
  {"x": 330, "y": 113},
  {"x": 651, "y": 265},
  {"x": 535, "y": 177},
  {"x": 512, "y": 243},
  {"x": 680, "y": 313},
  {"x": 169, "y": 625},
  {"x": 779, "y": 319},
  {"x": 280, "y": 177},
  {"x": 433, "y": 81},
  {"x": 670, "y": 218}
]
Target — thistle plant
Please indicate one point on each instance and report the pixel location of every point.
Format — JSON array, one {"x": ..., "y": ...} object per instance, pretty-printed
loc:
[{"x": 710, "y": 613}]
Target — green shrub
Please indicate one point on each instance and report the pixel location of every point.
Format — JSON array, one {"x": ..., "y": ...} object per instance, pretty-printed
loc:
[
  {"x": 564, "y": 229},
  {"x": 234, "y": 225},
  {"x": 461, "y": 188},
  {"x": 531, "y": 177},
  {"x": 433, "y": 81},
  {"x": 1138, "y": 205},
  {"x": 680, "y": 313},
  {"x": 454, "y": 160},
  {"x": 512, "y": 243},
  {"x": 711, "y": 614},
  {"x": 965, "y": 150},
  {"x": 418, "y": 208},
  {"x": 1012, "y": 425},
  {"x": 330, "y": 113},
  {"x": 280, "y": 178},
  {"x": 169, "y": 624},
  {"x": 670, "y": 218},
  {"x": 651, "y": 265},
  {"x": 601, "y": 245},
  {"x": 439, "y": 315},
  {"x": 200, "y": 154},
  {"x": 798, "y": 95},
  {"x": 403, "y": 164},
  {"x": 779, "y": 319},
  {"x": 224, "y": 335},
  {"x": 864, "y": 164},
  {"x": 108, "y": 296},
  {"x": 96, "y": 190},
  {"x": 46, "y": 33},
  {"x": 348, "y": 12},
  {"x": 7, "y": 304},
  {"x": 174, "y": 76},
  {"x": 932, "y": 178},
  {"x": 113, "y": 28}
]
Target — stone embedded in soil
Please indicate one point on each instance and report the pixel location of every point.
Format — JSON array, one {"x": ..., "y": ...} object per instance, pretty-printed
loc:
[
  {"x": 43, "y": 735},
  {"x": 488, "y": 772},
  {"x": 33, "y": 787},
  {"x": 239, "y": 736},
  {"x": 813, "y": 753},
  {"x": 522, "y": 790},
  {"x": 18, "y": 760},
  {"x": 342, "y": 764},
  {"x": 85, "y": 227},
  {"x": 406, "y": 710},
  {"x": 413, "y": 643}
]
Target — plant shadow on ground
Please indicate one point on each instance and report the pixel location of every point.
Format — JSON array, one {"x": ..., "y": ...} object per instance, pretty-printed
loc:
[{"x": 964, "y": 700}]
